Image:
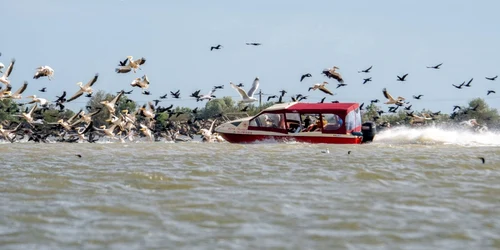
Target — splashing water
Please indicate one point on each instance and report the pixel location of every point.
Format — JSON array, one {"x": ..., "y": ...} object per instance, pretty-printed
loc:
[{"x": 437, "y": 135}]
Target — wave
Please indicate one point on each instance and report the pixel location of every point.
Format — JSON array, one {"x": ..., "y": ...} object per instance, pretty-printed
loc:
[{"x": 437, "y": 135}]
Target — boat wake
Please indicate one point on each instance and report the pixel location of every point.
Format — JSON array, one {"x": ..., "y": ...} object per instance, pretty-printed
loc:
[{"x": 437, "y": 135}]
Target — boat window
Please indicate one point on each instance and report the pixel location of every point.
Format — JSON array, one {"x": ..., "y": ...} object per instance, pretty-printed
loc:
[
  {"x": 333, "y": 122},
  {"x": 269, "y": 120},
  {"x": 310, "y": 122},
  {"x": 353, "y": 120},
  {"x": 293, "y": 122}
]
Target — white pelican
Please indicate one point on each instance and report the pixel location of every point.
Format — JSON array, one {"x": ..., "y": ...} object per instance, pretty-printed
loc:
[
  {"x": 208, "y": 96},
  {"x": 108, "y": 131},
  {"x": 29, "y": 116},
  {"x": 331, "y": 73},
  {"x": 148, "y": 113},
  {"x": 321, "y": 86},
  {"x": 141, "y": 82},
  {"x": 147, "y": 132},
  {"x": 130, "y": 118},
  {"x": 110, "y": 105},
  {"x": 42, "y": 101},
  {"x": 44, "y": 71},
  {"x": 87, "y": 118},
  {"x": 207, "y": 133},
  {"x": 391, "y": 100},
  {"x": 132, "y": 64},
  {"x": 247, "y": 97},
  {"x": 7, "y": 133},
  {"x": 87, "y": 88},
  {"x": 419, "y": 119},
  {"x": 5, "y": 77},
  {"x": 17, "y": 94}
]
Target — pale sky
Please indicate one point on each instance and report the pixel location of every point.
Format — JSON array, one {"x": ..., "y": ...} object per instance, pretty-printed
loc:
[{"x": 81, "y": 38}]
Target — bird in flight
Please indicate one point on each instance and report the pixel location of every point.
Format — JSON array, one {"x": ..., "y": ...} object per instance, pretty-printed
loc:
[
  {"x": 435, "y": 67},
  {"x": 366, "y": 70},
  {"x": 304, "y": 76},
  {"x": 216, "y": 47},
  {"x": 491, "y": 78},
  {"x": 254, "y": 44},
  {"x": 402, "y": 78}
]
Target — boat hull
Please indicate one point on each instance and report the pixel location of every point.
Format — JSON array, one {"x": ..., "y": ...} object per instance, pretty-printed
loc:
[{"x": 252, "y": 138}]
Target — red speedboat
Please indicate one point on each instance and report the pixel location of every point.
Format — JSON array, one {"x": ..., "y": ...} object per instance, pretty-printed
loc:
[{"x": 335, "y": 123}]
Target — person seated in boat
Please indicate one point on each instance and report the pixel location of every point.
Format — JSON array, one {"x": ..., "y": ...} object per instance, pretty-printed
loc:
[{"x": 315, "y": 126}]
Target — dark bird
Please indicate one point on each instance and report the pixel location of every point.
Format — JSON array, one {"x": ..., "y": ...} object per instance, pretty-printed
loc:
[
  {"x": 194, "y": 111},
  {"x": 196, "y": 94},
  {"x": 176, "y": 94},
  {"x": 468, "y": 83},
  {"x": 271, "y": 97},
  {"x": 491, "y": 78},
  {"x": 459, "y": 86},
  {"x": 361, "y": 106},
  {"x": 219, "y": 87},
  {"x": 402, "y": 78},
  {"x": 215, "y": 47},
  {"x": 304, "y": 76},
  {"x": 61, "y": 99},
  {"x": 380, "y": 112},
  {"x": 125, "y": 92},
  {"x": 322, "y": 100},
  {"x": 254, "y": 44},
  {"x": 341, "y": 85},
  {"x": 417, "y": 96},
  {"x": 369, "y": 79},
  {"x": 475, "y": 108},
  {"x": 435, "y": 67},
  {"x": 44, "y": 89},
  {"x": 240, "y": 85},
  {"x": 374, "y": 101},
  {"x": 164, "y": 96},
  {"x": 408, "y": 108},
  {"x": 491, "y": 92},
  {"x": 123, "y": 63},
  {"x": 456, "y": 107},
  {"x": 79, "y": 155},
  {"x": 245, "y": 108},
  {"x": 366, "y": 70},
  {"x": 349, "y": 152},
  {"x": 482, "y": 159},
  {"x": 146, "y": 92},
  {"x": 283, "y": 92},
  {"x": 88, "y": 95},
  {"x": 156, "y": 101}
]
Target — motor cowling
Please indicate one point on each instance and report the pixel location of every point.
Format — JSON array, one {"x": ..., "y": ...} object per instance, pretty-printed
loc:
[{"x": 369, "y": 129}]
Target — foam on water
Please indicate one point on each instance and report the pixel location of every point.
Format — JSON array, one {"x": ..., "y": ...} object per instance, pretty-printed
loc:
[{"x": 437, "y": 135}]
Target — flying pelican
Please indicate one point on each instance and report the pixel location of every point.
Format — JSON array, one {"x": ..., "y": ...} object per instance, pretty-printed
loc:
[
  {"x": 29, "y": 116},
  {"x": 5, "y": 77},
  {"x": 148, "y": 113},
  {"x": 108, "y": 131},
  {"x": 331, "y": 73},
  {"x": 42, "y": 101},
  {"x": 142, "y": 83},
  {"x": 391, "y": 100},
  {"x": 87, "y": 118},
  {"x": 7, "y": 133},
  {"x": 17, "y": 94},
  {"x": 247, "y": 97},
  {"x": 208, "y": 96},
  {"x": 44, "y": 71},
  {"x": 87, "y": 88},
  {"x": 321, "y": 86},
  {"x": 147, "y": 132},
  {"x": 132, "y": 64},
  {"x": 110, "y": 105}
]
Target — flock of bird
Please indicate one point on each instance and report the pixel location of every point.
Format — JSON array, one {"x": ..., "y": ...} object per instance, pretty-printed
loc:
[{"x": 123, "y": 124}]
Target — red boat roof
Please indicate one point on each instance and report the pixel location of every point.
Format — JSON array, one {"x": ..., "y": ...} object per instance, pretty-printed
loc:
[{"x": 315, "y": 107}]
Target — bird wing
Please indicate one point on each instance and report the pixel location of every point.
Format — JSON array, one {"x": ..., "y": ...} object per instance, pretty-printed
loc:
[
  {"x": 387, "y": 95},
  {"x": 302, "y": 77},
  {"x": 151, "y": 106},
  {"x": 254, "y": 87},
  {"x": 76, "y": 95},
  {"x": 117, "y": 97},
  {"x": 124, "y": 69},
  {"x": 9, "y": 69},
  {"x": 140, "y": 61},
  {"x": 33, "y": 109},
  {"x": 22, "y": 88},
  {"x": 337, "y": 76},
  {"x": 242, "y": 92},
  {"x": 325, "y": 90},
  {"x": 92, "y": 81}
]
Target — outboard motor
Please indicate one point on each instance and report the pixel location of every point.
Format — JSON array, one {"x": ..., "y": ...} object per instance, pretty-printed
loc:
[{"x": 369, "y": 129}]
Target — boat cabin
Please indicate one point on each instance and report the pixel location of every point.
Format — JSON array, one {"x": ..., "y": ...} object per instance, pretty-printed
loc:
[{"x": 298, "y": 118}]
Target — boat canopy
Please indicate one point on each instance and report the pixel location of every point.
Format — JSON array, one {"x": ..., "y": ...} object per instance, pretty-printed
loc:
[{"x": 302, "y": 107}]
